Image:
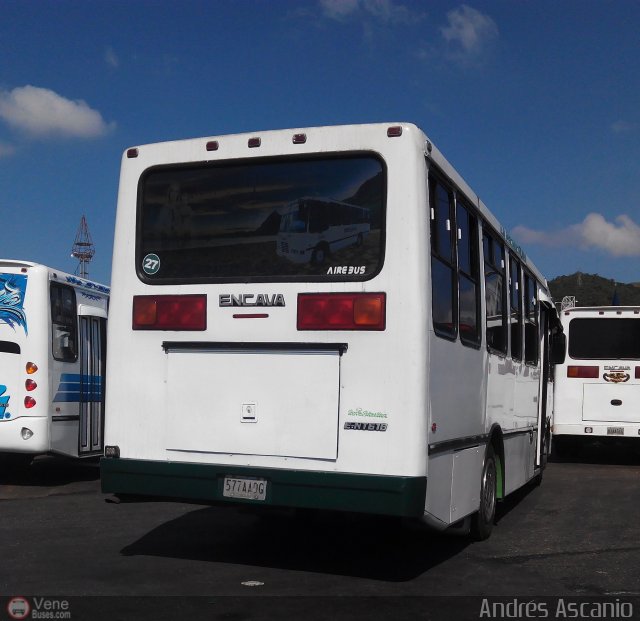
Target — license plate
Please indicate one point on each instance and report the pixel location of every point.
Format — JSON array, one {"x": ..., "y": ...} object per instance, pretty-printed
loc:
[
  {"x": 244, "y": 487},
  {"x": 615, "y": 431}
]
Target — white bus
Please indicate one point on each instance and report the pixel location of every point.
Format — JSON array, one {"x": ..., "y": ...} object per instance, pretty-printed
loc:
[
  {"x": 597, "y": 389},
  {"x": 52, "y": 362},
  {"x": 312, "y": 228},
  {"x": 379, "y": 381}
]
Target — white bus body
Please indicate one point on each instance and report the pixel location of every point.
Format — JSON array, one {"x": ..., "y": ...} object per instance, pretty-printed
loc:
[
  {"x": 52, "y": 361},
  {"x": 369, "y": 383},
  {"x": 311, "y": 229},
  {"x": 597, "y": 389}
]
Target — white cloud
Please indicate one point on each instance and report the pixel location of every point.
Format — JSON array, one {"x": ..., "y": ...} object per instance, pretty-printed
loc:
[
  {"x": 339, "y": 9},
  {"x": 6, "y": 149},
  {"x": 111, "y": 58},
  {"x": 41, "y": 112},
  {"x": 383, "y": 10},
  {"x": 619, "y": 239},
  {"x": 468, "y": 33},
  {"x": 623, "y": 127}
]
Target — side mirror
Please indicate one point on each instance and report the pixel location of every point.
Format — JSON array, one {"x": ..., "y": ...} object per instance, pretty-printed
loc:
[{"x": 558, "y": 348}]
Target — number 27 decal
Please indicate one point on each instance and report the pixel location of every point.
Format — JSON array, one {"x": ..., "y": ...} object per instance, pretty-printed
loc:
[{"x": 151, "y": 264}]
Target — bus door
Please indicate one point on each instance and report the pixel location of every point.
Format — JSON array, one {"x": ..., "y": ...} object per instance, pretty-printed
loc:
[
  {"x": 92, "y": 354},
  {"x": 544, "y": 424}
]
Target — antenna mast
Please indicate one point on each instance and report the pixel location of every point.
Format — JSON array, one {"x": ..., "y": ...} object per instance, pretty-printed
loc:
[{"x": 83, "y": 248}]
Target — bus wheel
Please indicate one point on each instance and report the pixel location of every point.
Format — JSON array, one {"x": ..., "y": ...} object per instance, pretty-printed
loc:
[
  {"x": 319, "y": 255},
  {"x": 482, "y": 521}
]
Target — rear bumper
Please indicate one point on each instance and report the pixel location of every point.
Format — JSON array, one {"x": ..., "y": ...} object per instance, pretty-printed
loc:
[
  {"x": 11, "y": 435},
  {"x": 629, "y": 430},
  {"x": 385, "y": 495}
]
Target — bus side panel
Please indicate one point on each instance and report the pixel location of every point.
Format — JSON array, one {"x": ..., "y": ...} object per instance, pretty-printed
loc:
[
  {"x": 31, "y": 335},
  {"x": 519, "y": 454}
]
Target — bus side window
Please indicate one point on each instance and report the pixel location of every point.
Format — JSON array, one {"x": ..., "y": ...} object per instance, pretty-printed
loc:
[
  {"x": 64, "y": 323},
  {"x": 494, "y": 277},
  {"x": 531, "y": 320},
  {"x": 515, "y": 289},
  {"x": 468, "y": 268},
  {"x": 442, "y": 260}
]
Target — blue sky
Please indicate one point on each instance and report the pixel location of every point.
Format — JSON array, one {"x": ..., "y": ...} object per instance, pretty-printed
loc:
[{"x": 537, "y": 104}]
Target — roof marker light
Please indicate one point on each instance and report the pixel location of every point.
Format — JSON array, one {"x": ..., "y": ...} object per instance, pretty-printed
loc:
[
  {"x": 212, "y": 145},
  {"x": 299, "y": 138},
  {"x": 132, "y": 153},
  {"x": 395, "y": 131},
  {"x": 254, "y": 142}
]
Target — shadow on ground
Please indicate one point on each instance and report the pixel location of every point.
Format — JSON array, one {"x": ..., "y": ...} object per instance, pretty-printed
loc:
[
  {"x": 341, "y": 544},
  {"x": 48, "y": 471}
]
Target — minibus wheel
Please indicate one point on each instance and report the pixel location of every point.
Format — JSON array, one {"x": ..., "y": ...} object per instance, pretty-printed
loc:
[
  {"x": 482, "y": 521},
  {"x": 320, "y": 254}
]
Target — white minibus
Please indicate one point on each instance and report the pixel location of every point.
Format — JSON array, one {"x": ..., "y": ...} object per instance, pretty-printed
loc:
[
  {"x": 405, "y": 374},
  {"x": 597, "y": 389},
  {"x": 311, "y": 229},
  {"x": 52, "y": 362}
]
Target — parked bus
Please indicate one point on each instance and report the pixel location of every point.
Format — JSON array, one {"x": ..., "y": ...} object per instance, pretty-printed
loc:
[
  {"x": 52, "y": 362},
  {"x": 597, "y": 389},
  {"x": 312, "y": 228},
  {"x": 406, "y": 375}
]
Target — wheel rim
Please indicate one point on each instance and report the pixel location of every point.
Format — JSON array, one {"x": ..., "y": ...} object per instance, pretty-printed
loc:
[{"x": 489, "y": 490}]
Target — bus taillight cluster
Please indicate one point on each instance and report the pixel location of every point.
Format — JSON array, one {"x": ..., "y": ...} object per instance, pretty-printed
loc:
[
  {"x": 30, "y": 384},
  {"x": 341, "y": 311}
]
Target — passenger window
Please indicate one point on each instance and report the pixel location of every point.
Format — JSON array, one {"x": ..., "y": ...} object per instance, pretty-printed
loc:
[
  {"x": 64, "y": 323},
  {"x": 468, "y": 268},
  {"x": 515, "y": 289},
  {"x": 495, "y": 294},
  {"x": 443, "y": 287},
  {"x": 531, "y": 339}
]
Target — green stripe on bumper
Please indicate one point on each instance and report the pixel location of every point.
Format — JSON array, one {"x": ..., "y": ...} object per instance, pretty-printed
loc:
[{"x": 387, "y": 495}]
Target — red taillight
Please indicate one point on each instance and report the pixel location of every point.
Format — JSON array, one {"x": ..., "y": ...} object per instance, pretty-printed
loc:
[
  {"x": 638, "y": 374},
  {"x": 29, "y": 402},
  {"x": 30, "y": 385},
  {"x": 169, "y": 312},
  {"x": 583, "y": 372},
  {"x": 341, "y": 311}
]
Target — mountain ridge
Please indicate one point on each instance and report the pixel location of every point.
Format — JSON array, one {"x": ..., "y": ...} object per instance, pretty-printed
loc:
[{"x": 594, "y": 290}]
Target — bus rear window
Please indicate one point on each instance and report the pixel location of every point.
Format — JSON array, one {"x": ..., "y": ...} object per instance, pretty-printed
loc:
[
  {"x": 604, "y": 339},
  {"x": 262, "y": 220}
]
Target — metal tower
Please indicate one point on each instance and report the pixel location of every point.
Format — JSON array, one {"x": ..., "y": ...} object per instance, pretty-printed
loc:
[{"x": 83, "y": 248}]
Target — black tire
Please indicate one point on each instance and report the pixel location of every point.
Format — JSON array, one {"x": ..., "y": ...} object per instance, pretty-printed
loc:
[
  {"x": 564, "y": 446},
  {"x": 320, "y": 254},
  {"x": 17, "y": 460},
  {"x": 482, "y": 521}
]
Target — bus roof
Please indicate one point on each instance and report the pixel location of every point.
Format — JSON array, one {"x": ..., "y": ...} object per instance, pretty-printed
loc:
[
  {"x": 59, "y": 274},
  {"x": 312, "y": 140},
  {"x": 575, "y": 310}
]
